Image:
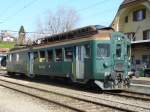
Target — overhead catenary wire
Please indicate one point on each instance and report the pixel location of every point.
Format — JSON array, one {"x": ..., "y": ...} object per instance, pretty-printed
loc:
[
  {"x": 17, "y": 32},
  {"x": 101, "y": 12},
  {"x": 20, "y": 10},
  {"x": 25, "y": 32},
  {"x": 93, "y": 5},
  {"x": 10, "y": 6},
  {"x": 33, "y": 1}
]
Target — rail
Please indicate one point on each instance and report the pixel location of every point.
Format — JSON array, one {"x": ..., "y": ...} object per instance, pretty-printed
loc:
[{"x": 82, "y": 98}]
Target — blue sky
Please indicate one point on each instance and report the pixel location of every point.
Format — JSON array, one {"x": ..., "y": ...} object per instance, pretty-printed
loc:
[{"x": 14, "y": 13}]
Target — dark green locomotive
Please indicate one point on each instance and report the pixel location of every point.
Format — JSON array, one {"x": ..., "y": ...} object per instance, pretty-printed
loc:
[{"x": 93, "y": 53}]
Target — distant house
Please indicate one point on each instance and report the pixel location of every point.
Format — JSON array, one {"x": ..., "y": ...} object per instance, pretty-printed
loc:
[
  {"x": 8, "y": 39},
  {"x": 133, "y": 18},
  {"x": 6, "y": 36}
]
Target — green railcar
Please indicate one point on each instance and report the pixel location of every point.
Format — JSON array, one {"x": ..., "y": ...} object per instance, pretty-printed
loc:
[{"x": 93, "y": 53}]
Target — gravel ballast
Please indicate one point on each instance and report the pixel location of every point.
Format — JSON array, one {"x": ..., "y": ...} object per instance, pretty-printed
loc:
[{"x": 11, "y": 101}]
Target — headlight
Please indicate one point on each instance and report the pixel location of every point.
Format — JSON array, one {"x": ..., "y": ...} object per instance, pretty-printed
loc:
[
  {"x": 129, "y": 64},
  {"x": 107, "y": 74},
  {"x": 105, "y": 65}
]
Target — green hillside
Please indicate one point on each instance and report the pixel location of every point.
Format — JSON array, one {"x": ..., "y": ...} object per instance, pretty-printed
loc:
[{"x": 6, "y": 44}]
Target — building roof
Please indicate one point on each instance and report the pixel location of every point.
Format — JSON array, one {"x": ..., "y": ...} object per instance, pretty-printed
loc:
[
  {"x": 128, "y": 1},
  {"x": 131, "y": 2},
  {"x": 79, "y": 32},
  {"x": 4, "y": 49},
  {"x": 141, "y": 43}
]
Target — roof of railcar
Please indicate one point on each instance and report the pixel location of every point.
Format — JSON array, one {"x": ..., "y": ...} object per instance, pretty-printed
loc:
[
  {"x": 76, "y": 32},
  {"x": 73, "y": 34}
]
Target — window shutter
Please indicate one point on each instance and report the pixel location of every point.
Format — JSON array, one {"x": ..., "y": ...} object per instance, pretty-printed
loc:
[
  {"x": 134, "y": 16},
  {"x": 144, "y": 35},
  {"x": 144, "y": 13},
  {"x": 126, "y": 19}
]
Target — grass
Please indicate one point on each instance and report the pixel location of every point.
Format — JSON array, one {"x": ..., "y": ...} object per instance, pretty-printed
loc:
[{"x": 6, "y": 44}]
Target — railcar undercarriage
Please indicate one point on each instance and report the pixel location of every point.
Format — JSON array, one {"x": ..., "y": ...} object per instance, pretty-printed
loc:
[{"x": 115, "y": 80}]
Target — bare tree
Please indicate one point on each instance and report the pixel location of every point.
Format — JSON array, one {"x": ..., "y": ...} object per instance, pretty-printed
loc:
[{"x": 61, "y": 21}]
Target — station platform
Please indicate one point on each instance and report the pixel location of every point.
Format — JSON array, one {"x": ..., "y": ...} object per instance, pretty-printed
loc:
[
  {"x": 141, "y": 80},
  {"x": 140, "y": 84}
]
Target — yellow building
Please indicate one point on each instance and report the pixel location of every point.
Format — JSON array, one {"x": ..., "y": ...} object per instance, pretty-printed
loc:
[{"x": 133, "y": 18}]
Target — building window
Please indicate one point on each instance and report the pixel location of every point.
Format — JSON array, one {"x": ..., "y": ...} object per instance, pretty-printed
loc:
[
  {"x": 58, "y": 55},
  {"x": 50, "y": 55},
  {"x": 139, "y": 15},
  {"x": 126, "y": 19},
  {"x": 131, "y": 36},
  {"x": 69, "y": 54},
  {"x": 137, "y": 61},
  {"x": 146, "y": 34},
  {"x": 146, "y": 60}
]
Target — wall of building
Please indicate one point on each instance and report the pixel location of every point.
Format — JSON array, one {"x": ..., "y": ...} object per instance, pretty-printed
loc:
[
  {"x": 132, "y": 26},
  {"x": 138, "y": 53},
  {"x": 135, "y": 26}
]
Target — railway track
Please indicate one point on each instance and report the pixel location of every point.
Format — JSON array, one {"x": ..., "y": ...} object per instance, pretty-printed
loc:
[
  {"x": 131, "y": 94},
  {"x": 74, "y": 102}
]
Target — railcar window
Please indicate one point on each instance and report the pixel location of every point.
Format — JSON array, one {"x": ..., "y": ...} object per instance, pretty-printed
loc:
[
  {"x": 103, "y": 50},
  {"x": 10, "y": 57},
  {"x": 13, "y": 57},
  {"x": 50, "y": 55},
  {"x": 69, "y": 54},
  {"x": 42, "y": 56},
  {"x": 87, "y": 51},
  {"x": 35, "y": 56},
  {"x": 17, "y": 57},
  {"x": 118, "y": 50},
  {"x": 58, "y": 55}
]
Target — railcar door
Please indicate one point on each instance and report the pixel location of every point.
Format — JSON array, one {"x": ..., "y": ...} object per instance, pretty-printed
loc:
[
  {"x": 80, "y": 62},
  {"x": 31, "y": 59}
]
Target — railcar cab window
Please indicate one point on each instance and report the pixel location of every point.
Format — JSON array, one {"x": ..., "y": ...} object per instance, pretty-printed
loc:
[
  {"x": 35, "y": 56},
  {"x": 118, "y": 50},
  {"x": 69, "y": 54},
  {"x": 58, "y": 55},
  {"x": 50, "y": 55},
  {"x": 103, "y": 50},
  {"x": 87, "y": 51},
  {"x": 42, "y": 56}
]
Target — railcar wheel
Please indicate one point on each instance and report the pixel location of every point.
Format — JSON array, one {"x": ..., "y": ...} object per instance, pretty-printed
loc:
[{"x": 10, "y": 73}]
